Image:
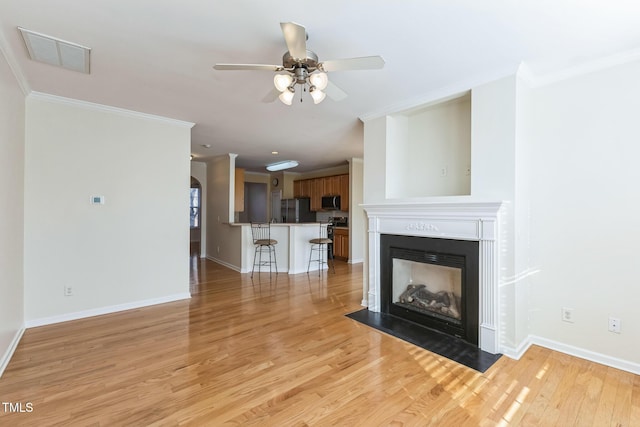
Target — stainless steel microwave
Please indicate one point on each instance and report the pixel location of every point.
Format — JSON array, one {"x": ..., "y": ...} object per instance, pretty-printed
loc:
[{"x": 331, "y": 203}]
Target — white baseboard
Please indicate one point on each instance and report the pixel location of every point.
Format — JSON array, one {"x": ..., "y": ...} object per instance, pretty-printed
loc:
[
  {"x": 4, "y": 362},
  {"x": 603, "y": 359},
  {"x": 105, "y": 310},
  {"x": 582, "y": 353},
  {"x": 517, "y": 353},
  {"x": 355, "y": 261},
  {"x": 226, "y": 264}
]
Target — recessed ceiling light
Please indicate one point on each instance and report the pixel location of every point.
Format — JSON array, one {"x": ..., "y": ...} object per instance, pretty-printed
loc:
[
  {"x": 274, "y": 152},
  {"x": 206, "y": 145},
  {"x": 53, "y": 51}
]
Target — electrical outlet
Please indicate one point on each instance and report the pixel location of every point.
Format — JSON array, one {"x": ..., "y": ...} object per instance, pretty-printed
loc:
[
  {"x": 444, "y": 171},
  {"x": 68, "y": 291},
  {"x": 567, "y": 314},
  {"x": 614, "y": 325}
]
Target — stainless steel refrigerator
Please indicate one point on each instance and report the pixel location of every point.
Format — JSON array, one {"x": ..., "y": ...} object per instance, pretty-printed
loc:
[{"x": 297, "y": 210}]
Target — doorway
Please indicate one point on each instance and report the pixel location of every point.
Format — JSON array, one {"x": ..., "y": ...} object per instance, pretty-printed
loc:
[{"x": 195, "y": 209}]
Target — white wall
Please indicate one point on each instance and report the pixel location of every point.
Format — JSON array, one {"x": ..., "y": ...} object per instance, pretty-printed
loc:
[
  {"x": 132, "y": 250},
  {"x": 199, "y": 172},
  {"x": 11, "y": 212},
  {"x": 398, "y": 155},
  {"x": 429, "y": 151},
  {"x": 223, "y": 240},
  {"x": 375, "y": 154},
  {"x": 585, "y": 144},
  {"x": 357, "y": 215},
  {"x": 522, "y": 267},
  {"x": 493, "y": 177}
]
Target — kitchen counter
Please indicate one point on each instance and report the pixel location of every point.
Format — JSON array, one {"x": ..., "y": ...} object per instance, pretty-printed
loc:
[{"x": 292, "y": 250}]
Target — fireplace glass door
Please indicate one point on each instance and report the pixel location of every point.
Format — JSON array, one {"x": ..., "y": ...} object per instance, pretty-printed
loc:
[
  {"x": 434, "y": 290},
  {"x": 432, "y": 282}
]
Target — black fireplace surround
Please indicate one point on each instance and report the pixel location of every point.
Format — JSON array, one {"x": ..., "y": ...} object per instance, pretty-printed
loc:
[{"x": 461, "y": 254}]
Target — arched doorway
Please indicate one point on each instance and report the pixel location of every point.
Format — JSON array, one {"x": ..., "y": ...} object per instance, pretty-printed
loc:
[{"x": 195, "y": 220}]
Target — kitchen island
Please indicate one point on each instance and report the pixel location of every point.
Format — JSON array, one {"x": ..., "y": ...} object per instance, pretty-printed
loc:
[{"x": 292, "y": 250}]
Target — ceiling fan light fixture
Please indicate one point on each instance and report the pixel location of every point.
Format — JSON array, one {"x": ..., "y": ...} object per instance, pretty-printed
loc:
[
  {"x": 317, "y": 95},
  {"x": 282, "y": 81},
  {"x": 287, "y": 96},
  {"x": 300, "y": 66},
  {"x": 278, "y": 166},
  {"x": 319, "y": 80}
]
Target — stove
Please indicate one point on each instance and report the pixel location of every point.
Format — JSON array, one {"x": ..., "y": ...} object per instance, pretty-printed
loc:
[{"x": 339, "y": 221}]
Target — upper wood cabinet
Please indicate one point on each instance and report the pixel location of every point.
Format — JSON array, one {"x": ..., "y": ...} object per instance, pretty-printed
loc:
[
  {"x": 344, "y": 192},
  {"x": 239, "y": 191},
  {"x": 302, "y": 188},
  {"x": 315, "y": 188},
  {"x": 331, "y": 185}
]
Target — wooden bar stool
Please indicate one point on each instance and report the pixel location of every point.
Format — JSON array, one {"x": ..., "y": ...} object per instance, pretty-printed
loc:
[
  {"x": 261, "y": 233},
  {"x": 321, "y": 246}
]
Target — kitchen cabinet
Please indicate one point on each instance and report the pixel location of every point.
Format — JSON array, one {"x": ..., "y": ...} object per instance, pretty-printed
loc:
[
  {"x": 344, "y": 193},
  {"x": 302, "y": 188},
  {"x": 315, "y": 192},
  {"x": 239, "y": 191},
  {"x": 341, "y": 243},
  {"x": 331, "y": 185},
  {"x": 315, "y": 188}
]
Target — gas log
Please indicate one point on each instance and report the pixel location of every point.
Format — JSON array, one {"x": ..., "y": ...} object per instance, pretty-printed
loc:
[{"x": 421, "y": 297}]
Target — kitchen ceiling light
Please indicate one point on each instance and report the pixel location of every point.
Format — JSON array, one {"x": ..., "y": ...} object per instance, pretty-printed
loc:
[
  {"x": 53, "y": 51},
  {"x": 278, "y": 166}
]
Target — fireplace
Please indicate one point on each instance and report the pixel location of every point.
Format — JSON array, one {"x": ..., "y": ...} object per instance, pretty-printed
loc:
[
  {"x": 431, "y": 282},
  {"x": 451, "y": 249}
]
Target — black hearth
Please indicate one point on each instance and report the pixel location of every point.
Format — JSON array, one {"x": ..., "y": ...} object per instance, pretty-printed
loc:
[{"x": 432, "y": 282}]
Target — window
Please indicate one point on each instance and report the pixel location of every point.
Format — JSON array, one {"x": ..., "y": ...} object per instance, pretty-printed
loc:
[{"x": 194, "y": 208}]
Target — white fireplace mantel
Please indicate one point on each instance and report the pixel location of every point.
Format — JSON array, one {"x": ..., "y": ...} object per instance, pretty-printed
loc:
[{"x": 476, "y": 221}]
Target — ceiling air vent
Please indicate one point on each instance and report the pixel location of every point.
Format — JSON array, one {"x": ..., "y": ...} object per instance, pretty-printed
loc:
[{"x": 57, "y": 52}]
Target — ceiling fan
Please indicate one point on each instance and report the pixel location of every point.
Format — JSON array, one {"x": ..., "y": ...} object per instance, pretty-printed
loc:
[{"x": 303, "y": 68}]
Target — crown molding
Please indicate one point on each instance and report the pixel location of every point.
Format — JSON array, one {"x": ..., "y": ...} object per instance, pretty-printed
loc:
[
  {"x": 13, "y": 65},
  {"x": 543, "y": 79},
  {"x": 106, "y": 108},
  {"x": 523, "y": 71}
]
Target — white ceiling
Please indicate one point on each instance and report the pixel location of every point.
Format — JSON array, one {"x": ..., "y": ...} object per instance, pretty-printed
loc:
[{"x": 156, "y": 57}]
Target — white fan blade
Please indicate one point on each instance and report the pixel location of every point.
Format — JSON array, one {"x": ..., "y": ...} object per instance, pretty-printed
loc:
[
  {"x": 334, "y": 92},
  {"x": 271, "y": 96},
  {"x": 296, "y": 38},
  {"x": 362, "y": 63},
  {"x": 249, "y": 67}
]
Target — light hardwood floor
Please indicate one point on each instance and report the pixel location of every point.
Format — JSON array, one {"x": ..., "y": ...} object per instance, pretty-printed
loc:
[{"x": 282, "y": 353}]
